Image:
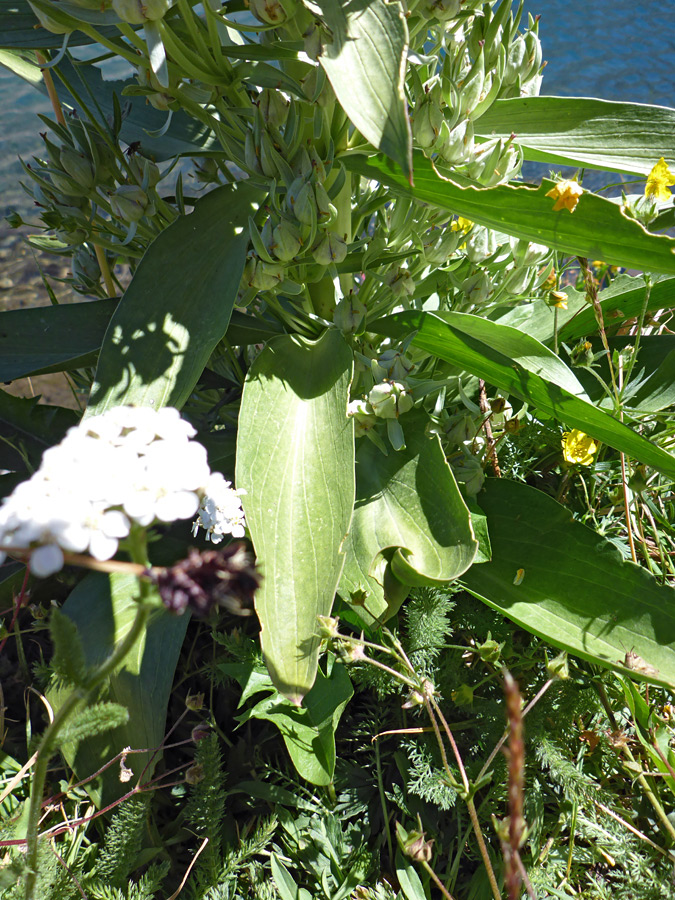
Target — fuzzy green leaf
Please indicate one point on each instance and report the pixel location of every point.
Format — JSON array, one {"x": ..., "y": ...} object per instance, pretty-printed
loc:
[{"x": 295, "y": 459}]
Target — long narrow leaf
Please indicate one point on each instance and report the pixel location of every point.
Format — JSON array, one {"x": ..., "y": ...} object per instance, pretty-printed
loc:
[{"x": 597, "y": 229}]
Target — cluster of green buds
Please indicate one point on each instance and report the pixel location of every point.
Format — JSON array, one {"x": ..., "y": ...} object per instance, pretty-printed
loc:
[
  {"x": 476, "y": 60},
  {"x": 387, "y": 388}
]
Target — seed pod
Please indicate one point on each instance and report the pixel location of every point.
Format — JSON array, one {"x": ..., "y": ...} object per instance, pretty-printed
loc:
[
  {"x": 79, "y": 167},
  {"x": 390, "y": 399},
  {"x": 331, "y": 248},
  {"x": 286, "y": 241},
  {"x": 349, "y": 314},
  {"x": 130, "y": 203},
  {"x": 136, "y": 12},
  {"x": 273, "y": 108}
]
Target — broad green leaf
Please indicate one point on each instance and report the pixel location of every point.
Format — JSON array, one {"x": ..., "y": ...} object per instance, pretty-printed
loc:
[
  {"x": 52, "y": 338},
  {"x": 410, "y": 526},
  {"x": 308, "y": 731},
  {"x": 295, "y": 459},
  {"x": 365, "y": 64},
  {"x": 597, "y": 229},
  {"x": 177, "y": 307},
  {"x": 581, "y": 131},
  {"x": 103, "y": 609},
  {"x": 519, "y": 364},
  {"x": 577, "y": 592},
  {"x": 28, "y": 428}
]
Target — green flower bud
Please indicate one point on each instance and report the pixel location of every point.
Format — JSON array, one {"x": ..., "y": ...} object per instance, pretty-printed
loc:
[
  {"x": 534, "y": 53},
  {"x": 141, "y": 167},
  {"x": 286, "y": 242},
  {"x": 85, "y": 268},
  {"x": 273, "y": 108},
  {"x": 439, "y": 244},
  {"x": 517, "y": 281},
  {"x": 456, "y": 145},
  {"x": 390, "y": 399},
  {"x": 261, "y": 275},
  {"x": 426, "y": 122},
  {"x": 315, "y": 39},
  {"x": 401, "y": 283},
  {"x": 66, "y": 185},
  {"x": 136, "y": 12},
  {"x": 480, "y": 244},
  {"x": 442, "y": 10},
  {"x": 268, "y": 163},
  {"x": 526, "y": 253},
  {"x": 364, "y": 417},
  {"x": 469, "y": 473},
  {"x": 461, "y": 428},
  {"x": 206, "y": 170},
  {"x": 272, "y": 12},
  {"x": 348, "y": 315},
  {"x": 79, "y": 167},
  {"x": 130, "y": 203},
  {"x": 72, "y": 237},
  {"x": 478, "y": 287},
  {"x": 393, "y": 365},
  {"x": 518, "y": 63},
  {"x": 13, "y": 219},
  {"x": 252, "y": 153},
  {"x": 311, "y": 202},
  {"x": 317, "y": 169},
  {"x": 330, "y": 248}
]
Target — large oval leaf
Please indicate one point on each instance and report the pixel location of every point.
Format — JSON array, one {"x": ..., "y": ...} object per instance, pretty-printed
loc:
[
  {"x": 295, "y": 459},
  {"x": 597, "y": 229},
  {"x": 519, "y": 364},
  {"x": 177, "y": 306},
  {"x": 103, "y": 608},
  {"x": 365, "y": 64},
  {"x": 580, "y": 131},
  {"x": 574, "y": 590},
  {"x": 410, "y": 526}
]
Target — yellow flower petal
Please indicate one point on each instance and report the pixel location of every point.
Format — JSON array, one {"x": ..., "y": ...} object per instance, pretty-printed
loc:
[
  {"x": 579, "y": 448},
  {"x": 566, "y": 195},
  {"x": 659, "y": 180}
]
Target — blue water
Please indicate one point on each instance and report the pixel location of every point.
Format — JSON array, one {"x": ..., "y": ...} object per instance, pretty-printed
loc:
[{"x": 614, "y": 49}]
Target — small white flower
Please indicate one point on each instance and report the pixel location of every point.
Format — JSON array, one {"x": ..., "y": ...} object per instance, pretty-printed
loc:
[{"x": 220, "y": 511}]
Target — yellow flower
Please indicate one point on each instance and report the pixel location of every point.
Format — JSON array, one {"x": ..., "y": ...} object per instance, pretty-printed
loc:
[
  {"x": 579, "y": 447},
  {"x": 566, "y": 195},
  {"x": 461, "y": 224},
  {"x": 659, "y": 180},
  {"x": 557, "y": 299}
]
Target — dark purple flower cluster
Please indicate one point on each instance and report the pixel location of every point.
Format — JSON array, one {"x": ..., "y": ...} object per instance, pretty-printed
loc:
[{"x": 208, "y": 579}]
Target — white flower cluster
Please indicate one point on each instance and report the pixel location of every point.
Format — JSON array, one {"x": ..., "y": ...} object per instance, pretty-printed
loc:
[{"x": 128, "y": 465}]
